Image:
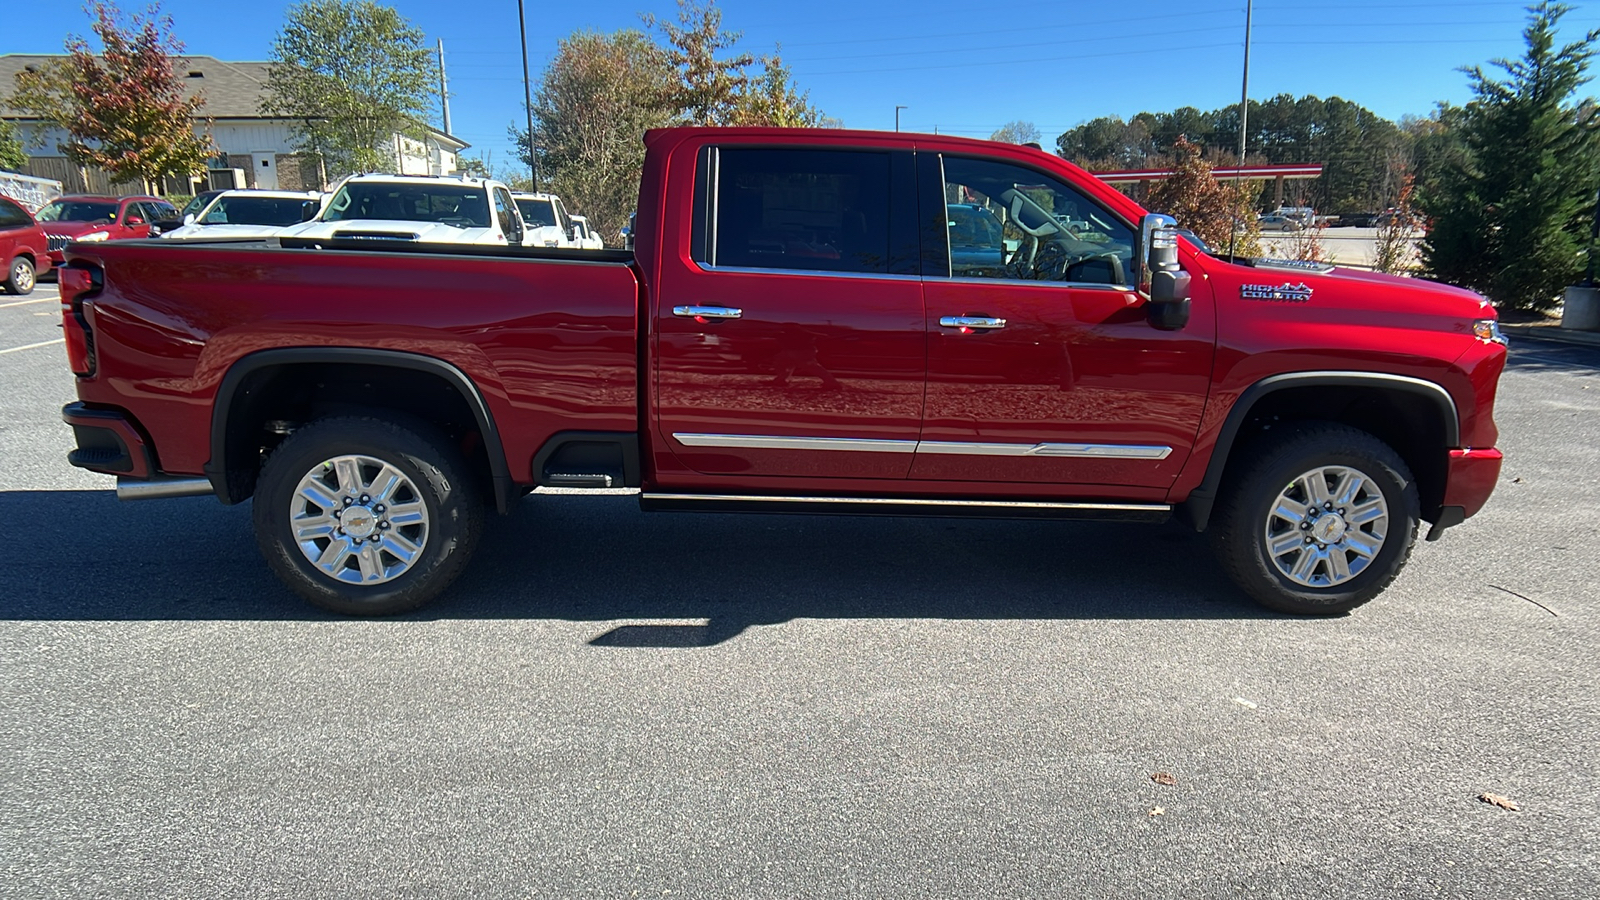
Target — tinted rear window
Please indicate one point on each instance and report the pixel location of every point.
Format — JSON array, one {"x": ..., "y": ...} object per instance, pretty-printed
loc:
[
  {"x": 802, "y": 209},
  {"x": 13, "y": 216}
]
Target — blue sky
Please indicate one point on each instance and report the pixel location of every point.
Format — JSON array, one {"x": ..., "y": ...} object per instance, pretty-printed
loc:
[{"x": 963, "y": 68}]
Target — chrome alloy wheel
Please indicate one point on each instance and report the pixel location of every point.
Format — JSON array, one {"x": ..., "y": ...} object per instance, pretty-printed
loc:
[
  {"x": 1327, "y": 526},
  {"x": 359, "y": 520},
  {"x": 22, "y": 276}
]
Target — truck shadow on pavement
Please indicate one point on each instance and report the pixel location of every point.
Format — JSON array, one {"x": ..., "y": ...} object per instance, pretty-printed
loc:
[{"x": 82, "y": 555}]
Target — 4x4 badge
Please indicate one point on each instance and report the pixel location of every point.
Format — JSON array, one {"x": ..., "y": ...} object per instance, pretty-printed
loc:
[{"x": 1294, "y": 293}]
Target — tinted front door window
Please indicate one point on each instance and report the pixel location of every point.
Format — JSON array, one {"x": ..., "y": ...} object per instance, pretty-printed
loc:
[{"x": 1017, "y": 224}]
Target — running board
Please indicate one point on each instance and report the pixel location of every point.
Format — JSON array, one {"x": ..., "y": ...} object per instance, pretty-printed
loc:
[{"x": 1154, "y": 513}]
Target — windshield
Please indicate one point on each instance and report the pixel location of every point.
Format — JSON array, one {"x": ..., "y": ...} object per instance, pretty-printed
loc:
[
  {"x": 537, "y": 213},
  {"x": 278, "y": 211},
  {"x": 199, "y": 202},
  {"x": 463, "y": 206},
  {"x": 77, "y": 211}
]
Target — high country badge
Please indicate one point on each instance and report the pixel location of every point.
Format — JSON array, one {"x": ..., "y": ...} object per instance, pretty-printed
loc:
[{"x": 1293, "y": 293}]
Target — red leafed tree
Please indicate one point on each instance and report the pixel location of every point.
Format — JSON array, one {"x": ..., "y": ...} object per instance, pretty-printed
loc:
[
  {"x": 123, "y": 109},
  {"x": 1202, "y": 205}
]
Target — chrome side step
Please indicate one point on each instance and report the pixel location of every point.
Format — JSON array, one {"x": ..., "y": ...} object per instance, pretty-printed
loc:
[{"x": 1154, "y": 513}]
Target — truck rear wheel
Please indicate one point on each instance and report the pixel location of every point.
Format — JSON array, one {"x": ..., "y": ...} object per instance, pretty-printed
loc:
[
  {"x": 364, "y": 517},
  {"x": 1318, "y": 521}
]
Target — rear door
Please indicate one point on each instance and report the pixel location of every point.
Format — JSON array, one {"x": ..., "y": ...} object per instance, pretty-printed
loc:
[
  {"x": 1042, "y": 368},
  {"x": 789, "y": 324}
]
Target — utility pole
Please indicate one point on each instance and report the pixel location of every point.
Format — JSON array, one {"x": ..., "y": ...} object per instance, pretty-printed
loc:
[
  {"x": 444, "y": 89},
  {"x": 1244, "y": 119},
  {"x": 527, "y": 97},
  {"x": 897, "y": 116}
]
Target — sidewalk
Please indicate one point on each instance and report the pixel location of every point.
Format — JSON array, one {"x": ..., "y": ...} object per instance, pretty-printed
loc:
[{"x": 1551, "y": 333}]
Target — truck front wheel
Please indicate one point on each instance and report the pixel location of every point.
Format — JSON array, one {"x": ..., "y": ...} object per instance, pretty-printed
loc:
[
  {"x": 364, "y": 517},
  {"x": 1318, "y": 520}
]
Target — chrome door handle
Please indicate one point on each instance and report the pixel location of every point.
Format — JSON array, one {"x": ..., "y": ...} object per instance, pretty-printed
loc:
[
  {"x": 707, "y": 312},
  {"x": 972, "y": 322}
]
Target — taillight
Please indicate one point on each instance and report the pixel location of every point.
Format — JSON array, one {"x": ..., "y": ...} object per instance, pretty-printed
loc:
[{"x": 76, "y": 282}]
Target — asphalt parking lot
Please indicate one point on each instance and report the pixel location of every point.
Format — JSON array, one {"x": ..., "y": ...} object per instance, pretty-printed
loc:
[{"x": 611, "y": 704}]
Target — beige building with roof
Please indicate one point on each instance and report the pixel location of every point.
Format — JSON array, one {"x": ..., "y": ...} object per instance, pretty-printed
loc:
[{"x": 256, "y": 150}]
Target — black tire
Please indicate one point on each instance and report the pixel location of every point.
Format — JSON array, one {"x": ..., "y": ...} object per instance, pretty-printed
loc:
[
  {"x": 1272, "y": 466},
  {"x": 435, "y": 475},
  {"x": 20, "y": 276}
]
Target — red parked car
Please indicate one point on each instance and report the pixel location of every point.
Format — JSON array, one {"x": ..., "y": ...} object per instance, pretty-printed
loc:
[
  {"x": 22, "y": 248},
  {"x": 83, "y": 217}
]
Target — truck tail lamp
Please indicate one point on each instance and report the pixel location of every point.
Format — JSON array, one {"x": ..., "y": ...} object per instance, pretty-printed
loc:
[{"x": 77, "y": 284}]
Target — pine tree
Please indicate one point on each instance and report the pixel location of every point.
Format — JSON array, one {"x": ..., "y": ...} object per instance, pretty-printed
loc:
[{"x": 1510, "y": 219}]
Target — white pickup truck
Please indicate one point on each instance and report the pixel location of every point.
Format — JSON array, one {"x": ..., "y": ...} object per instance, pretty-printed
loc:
[
  {"x": 585, "y": 237},
  {"x": 546, "y": 216},
  {"x": 421, "y": 208}
]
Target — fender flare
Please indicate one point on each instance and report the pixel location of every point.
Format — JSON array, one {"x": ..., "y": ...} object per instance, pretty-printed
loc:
[
  {"x": 216, "y": 469},
  {"x": 1197, "y": 507}
]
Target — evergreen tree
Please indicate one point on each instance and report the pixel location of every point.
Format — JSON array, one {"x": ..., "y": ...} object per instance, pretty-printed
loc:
[{"x": 1511, "y": 219}]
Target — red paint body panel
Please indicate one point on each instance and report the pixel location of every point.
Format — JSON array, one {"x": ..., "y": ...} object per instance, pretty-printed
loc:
[
  {"x": 556, "y": 346},
  {"x": 550, "y": 345},
  {"x": 1071, "y": 365}
]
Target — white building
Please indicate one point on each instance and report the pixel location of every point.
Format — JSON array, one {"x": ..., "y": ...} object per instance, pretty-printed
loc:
[{"x": 261, "y": 147}]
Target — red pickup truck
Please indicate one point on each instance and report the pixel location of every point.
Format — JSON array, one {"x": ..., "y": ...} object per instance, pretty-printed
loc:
[{"x": 810, "y": 321}]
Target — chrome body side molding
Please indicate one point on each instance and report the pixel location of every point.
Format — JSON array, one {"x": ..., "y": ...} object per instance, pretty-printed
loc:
[{"x": 949, "y": 448}]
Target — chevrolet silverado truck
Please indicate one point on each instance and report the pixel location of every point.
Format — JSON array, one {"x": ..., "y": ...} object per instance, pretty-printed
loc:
[{"x": 810, "y": 321}]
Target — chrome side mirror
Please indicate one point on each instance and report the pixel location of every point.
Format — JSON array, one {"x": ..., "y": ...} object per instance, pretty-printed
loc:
[{"x": 1161, "y": 280}]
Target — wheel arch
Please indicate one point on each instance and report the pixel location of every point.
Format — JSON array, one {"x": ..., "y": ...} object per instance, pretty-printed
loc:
[
  {"x": 257, "y": 385},
  {"x": 1417, "y": 417}
]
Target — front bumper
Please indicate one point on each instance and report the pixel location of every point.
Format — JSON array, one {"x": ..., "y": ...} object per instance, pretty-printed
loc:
[{"x": 1469, "y": 480}]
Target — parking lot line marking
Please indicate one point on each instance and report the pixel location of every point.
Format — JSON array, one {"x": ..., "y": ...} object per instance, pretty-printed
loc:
[
  {"x": 26, "y": 302},
  {"x": 31, "y": 346}
]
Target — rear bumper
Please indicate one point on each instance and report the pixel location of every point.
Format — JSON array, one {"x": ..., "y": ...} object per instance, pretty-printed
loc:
[{"x": 109, "y": 441}]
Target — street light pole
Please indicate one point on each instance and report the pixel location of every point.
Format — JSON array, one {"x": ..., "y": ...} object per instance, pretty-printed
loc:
[
  {"x": 1244, "y": 119},
  {"x": 527, "y": 98},
  {"x": 897, "y": 116}
]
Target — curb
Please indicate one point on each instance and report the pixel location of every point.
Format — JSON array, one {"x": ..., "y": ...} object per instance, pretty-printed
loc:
[{"x": 1553, "y": 333}]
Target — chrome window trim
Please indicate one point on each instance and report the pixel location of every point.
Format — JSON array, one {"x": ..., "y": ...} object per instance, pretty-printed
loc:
[
  {"x": 1078, "y": 285},
  {"x": 943, "y": 448},
  {"x": 750, "y": 270},
  {"x": 910, "y": 501}
]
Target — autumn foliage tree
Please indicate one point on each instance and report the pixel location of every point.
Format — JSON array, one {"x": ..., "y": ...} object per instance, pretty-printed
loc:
[
  {"x": 597, "y": 98},
  {"x": 1202, "y": 205},
  {"x": 123, "y": 109}
]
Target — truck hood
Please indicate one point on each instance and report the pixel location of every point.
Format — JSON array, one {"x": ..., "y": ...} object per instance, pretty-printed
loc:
[
  {"x": 394, "y": 230},
  {"x": 545, "y": 236},
  {"x": 209, "y": 232},
  {"x": 1372, "y": 296}
]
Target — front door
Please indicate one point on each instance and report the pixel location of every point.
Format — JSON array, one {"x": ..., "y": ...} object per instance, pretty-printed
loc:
[
  {"x": 1041, "y": 366},
  {"x": 791, "y": 339},
  {"x": 266, "y": 168}
]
